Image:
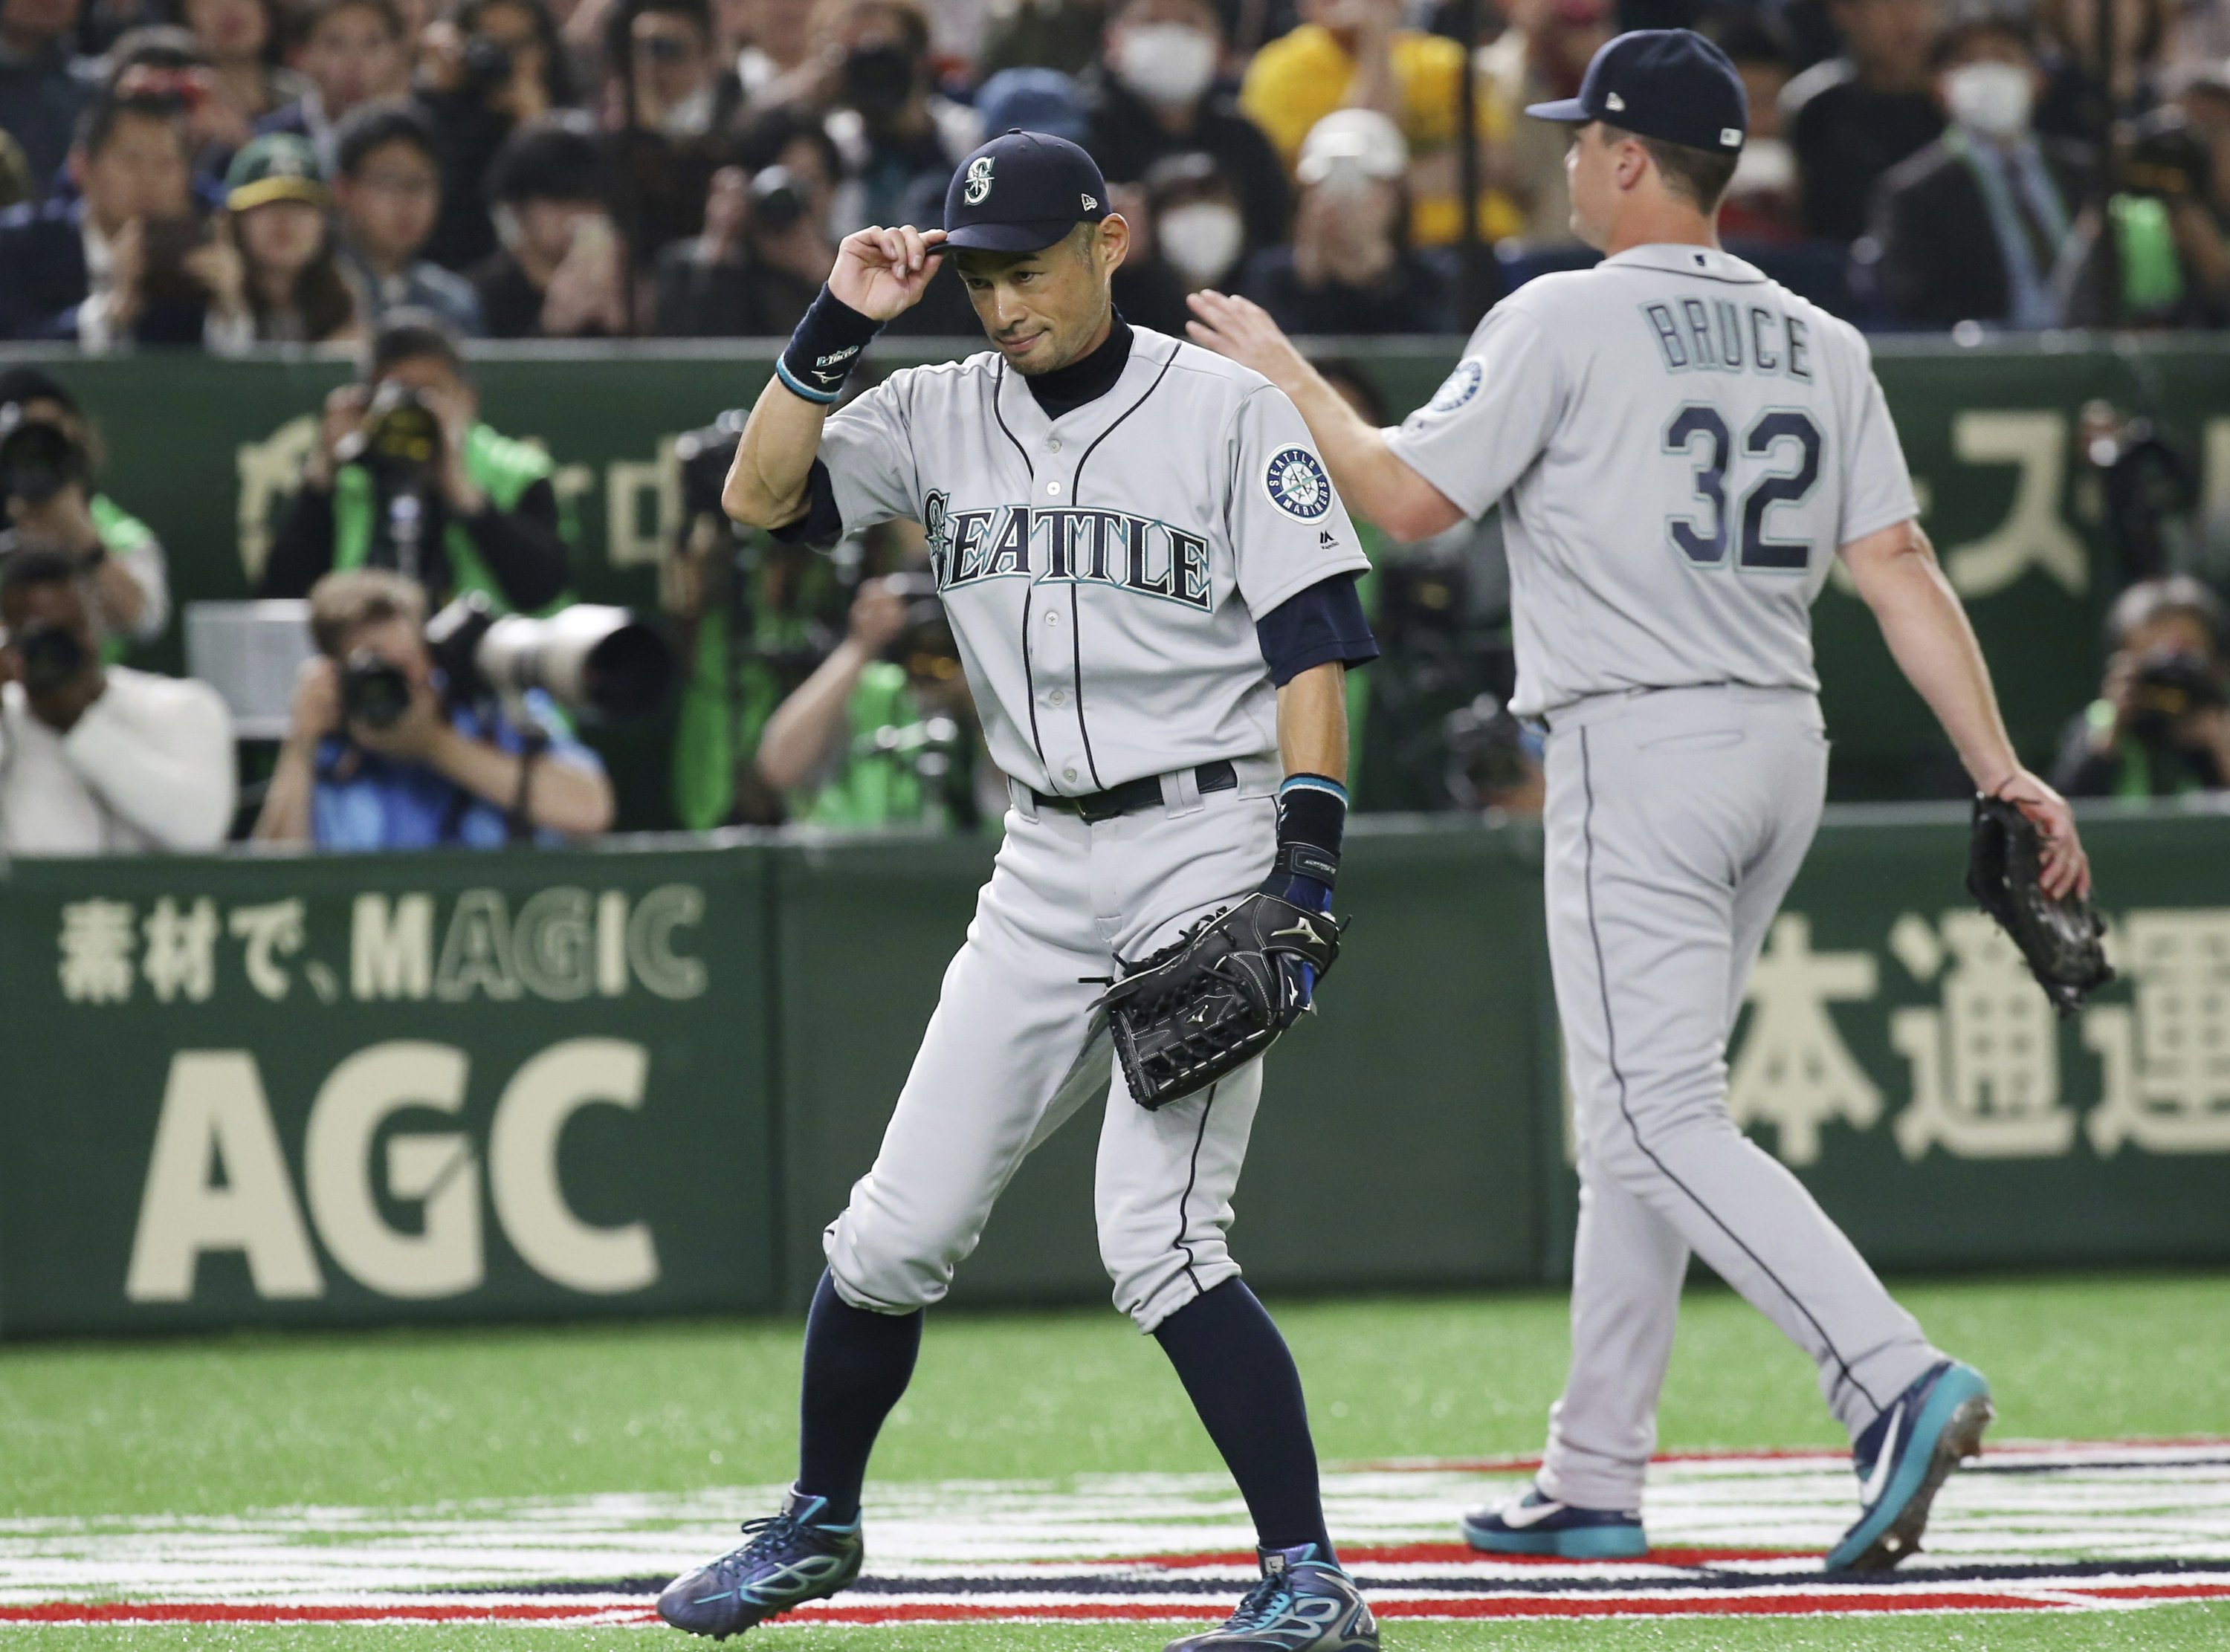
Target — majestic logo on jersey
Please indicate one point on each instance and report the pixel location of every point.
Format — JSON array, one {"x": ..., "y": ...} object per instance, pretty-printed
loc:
[
  {"x": 979, "y": 181},
  {"x": 1296, "y": 484},
  {"x": 1067, "y": 544},
  {"x": 1458, "y": 387}
]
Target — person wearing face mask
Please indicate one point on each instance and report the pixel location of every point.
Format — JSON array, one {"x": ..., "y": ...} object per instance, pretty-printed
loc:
[
  {"x": 899, "y": 137},
  {"x": 1154, "y": 95},
  {"x": 1189, "y": 235},
  {"x": 1977, "y": 226},
  {"x": 1350, "y": 268}
]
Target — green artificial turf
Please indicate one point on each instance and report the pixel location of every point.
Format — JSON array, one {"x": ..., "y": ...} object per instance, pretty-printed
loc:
[
  {"x": 2161, "y": 1628},
  {"x": 217, "y": 1425}
]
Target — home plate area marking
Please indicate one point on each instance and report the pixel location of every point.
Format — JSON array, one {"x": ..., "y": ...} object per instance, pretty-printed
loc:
[{"x": 2033, "y": 1527}]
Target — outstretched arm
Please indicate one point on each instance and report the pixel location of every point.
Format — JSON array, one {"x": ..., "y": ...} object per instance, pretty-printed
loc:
[
  {"x": 879, "y": 273},
  {"x": 1374, "y": 481},
  {"x": 1897, "y": 574}
]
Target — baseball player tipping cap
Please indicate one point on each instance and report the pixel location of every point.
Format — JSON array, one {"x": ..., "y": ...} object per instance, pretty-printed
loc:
[
  {"x": 1670, "y": 83},
  {"x": 1022, "y": 192}
]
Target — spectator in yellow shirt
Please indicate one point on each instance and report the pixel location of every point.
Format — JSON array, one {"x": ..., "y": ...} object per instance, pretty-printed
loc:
[{"x": 1355, "y": 53}]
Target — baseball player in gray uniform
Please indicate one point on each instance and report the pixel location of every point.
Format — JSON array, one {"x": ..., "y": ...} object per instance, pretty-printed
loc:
[
  {"x": 1152, "y": 585},
  {"x": 1680, "y": 448}
]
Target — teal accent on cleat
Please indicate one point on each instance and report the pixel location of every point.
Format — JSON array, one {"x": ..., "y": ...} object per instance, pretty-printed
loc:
[
  {"x": 1536, "y": 1524},
  {"x": 1905, "y": 1456}
]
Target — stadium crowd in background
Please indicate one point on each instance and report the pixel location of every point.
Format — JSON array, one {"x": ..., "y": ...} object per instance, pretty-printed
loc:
[
  {"x": 395, "y": 176},
  {"x": 596, "y": 168}
]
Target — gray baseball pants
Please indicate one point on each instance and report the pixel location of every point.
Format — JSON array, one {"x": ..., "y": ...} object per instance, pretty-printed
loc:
[
  {"x": 1015, "y": 1051},
  {"x": 1676, "y": 821}
]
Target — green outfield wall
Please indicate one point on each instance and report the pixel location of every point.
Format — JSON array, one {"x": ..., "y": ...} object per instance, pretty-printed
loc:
[
  {"x": 205, "y": 449},
  {"x": 278, "y": 1090}
]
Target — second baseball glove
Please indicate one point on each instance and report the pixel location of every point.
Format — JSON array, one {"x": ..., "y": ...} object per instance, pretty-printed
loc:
[
  {"x": 1215, "y": 997},
  {"x": 2058, "y": 936}
]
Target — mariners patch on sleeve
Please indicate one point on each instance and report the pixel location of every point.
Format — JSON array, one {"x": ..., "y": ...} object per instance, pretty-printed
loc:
[
  {"x": 1458, "y": 387},
  {"x": 1296, "y": 484}
]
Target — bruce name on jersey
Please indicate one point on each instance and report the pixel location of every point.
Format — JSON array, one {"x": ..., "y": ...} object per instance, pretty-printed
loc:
[{"x": 1066, "y": 543}]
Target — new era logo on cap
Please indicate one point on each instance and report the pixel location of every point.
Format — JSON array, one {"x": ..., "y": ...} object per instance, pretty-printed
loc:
[{"x": 1614, "y": 102}]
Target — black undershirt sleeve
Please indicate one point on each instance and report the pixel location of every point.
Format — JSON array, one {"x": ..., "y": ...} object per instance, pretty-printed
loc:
[
  {"x": 822, "y": 521},
  {"x": 301, "y": 545},
  {"x": 1313, "y": 627}
]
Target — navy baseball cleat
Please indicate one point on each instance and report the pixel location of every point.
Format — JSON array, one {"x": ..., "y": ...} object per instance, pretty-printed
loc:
[
  {"x": 1302, "y": 1604},
  {"x": 1905, "y": 1455},
  {"x": 1539, "y": 1525},
  {"x": 788, "y": 1561}
]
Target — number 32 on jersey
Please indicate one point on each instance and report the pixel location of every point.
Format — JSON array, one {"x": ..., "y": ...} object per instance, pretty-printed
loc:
[{"x": 1776, "y": 463}]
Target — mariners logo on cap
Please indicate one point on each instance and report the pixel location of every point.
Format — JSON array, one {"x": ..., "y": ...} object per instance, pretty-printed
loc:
[
  {"x": 979, "y": 180},
  {"x": 1296, "y": 484}
]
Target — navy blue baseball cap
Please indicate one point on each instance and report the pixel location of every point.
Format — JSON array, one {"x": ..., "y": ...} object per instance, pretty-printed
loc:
[
  {"x": 1670, "y": 83},
  {"x": 1022, "y": 192}
]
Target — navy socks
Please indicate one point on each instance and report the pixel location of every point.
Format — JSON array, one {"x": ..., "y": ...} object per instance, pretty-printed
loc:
[
  {"x": 1233, "y": 1362},
  {"x": 1243, "y": 1383},
  {"x": 857, "y": 1365}
]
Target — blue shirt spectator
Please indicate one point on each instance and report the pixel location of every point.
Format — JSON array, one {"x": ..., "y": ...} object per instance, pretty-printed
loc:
[{"x": 363, "y": 800}]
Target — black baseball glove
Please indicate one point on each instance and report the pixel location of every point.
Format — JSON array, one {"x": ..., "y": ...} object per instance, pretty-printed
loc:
[
  {"x": 2059, "y": 937},
  {"x": 1217, "y": 997}
]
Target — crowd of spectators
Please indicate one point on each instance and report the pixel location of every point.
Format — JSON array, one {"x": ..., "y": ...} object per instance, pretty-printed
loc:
[{"x": 242, "y": 171}]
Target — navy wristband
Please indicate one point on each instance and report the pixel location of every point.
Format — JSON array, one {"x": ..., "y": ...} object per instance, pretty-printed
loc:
[
  {"x": 825, "y": 347},
  {"x": 1312, "y": 819}
]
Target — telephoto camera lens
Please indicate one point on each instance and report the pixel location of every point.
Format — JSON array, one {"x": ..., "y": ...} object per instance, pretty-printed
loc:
[
  {"x": 402, "y": 436},
  {"x": 374, "y": 692}
]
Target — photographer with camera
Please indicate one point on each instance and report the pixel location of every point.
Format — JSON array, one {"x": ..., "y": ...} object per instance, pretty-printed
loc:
[
  {"x": 884, "y": 733},
  {"x": 97, "y": 759},
  {"x": 2160, "y": 724},
  {"x": 48, "y": 454},
  {"x": 407, "y": 477},
  {"x": 759, "y": 264},
  {"x": 487, "y": 69},
  {"x": 389, "y": 749}
]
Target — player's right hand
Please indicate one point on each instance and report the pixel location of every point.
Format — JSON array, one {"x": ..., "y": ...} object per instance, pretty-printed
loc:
[
  {"x": 2066, "y": 869},
  {"x": 880, "y": 271}
]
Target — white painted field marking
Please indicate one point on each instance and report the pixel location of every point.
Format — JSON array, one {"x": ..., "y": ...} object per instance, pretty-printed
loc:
[{"x": 2054, "y": 1527}]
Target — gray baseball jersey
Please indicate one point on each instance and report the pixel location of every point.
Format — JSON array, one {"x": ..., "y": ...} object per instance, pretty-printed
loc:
[
  {"x": 1679, "y": 447},
  {"x": 1679, "y": 444},
  {"x": 1103, "y": 570}
]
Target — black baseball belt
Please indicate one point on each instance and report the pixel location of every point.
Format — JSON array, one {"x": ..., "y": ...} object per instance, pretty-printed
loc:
[{"x": 1144, "y": 793}]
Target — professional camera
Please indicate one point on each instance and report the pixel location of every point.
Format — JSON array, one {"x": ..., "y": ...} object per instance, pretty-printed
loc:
[
  {"x": 374, "y": 692},
  {"x": 2166, "y": 159},
  {"x": 926, "y": 647},
  {"x": 52, "y": 657},
  {"x": 776, "y": 201},
  {"x": 2169, "y": 686},
  {"x": 401, "y": 438},
  {"x": 38, "y": 459},
  {"x": 587, "y": 657},
  {"x": 703, "y": 456}
]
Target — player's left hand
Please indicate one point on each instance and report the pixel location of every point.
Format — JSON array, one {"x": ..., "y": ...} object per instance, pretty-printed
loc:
[
  {"x": 1242, "y": 330},
  {"x": 2066, "y": 868}
]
